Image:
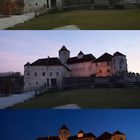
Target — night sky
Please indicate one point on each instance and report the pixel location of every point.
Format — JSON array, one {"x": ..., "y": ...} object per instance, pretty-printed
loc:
[{"x": 30, "y": 124}]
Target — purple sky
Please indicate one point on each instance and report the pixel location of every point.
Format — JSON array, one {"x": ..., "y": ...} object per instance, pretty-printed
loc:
[{"x": 19, "y": 47}]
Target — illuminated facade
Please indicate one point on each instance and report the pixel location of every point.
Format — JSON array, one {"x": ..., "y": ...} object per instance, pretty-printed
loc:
[{"x": 65, "y": 134}]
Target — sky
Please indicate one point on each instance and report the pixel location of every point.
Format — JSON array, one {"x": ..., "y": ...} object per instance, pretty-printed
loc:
[
  {"x": 20, "y": 47},
  {"x": 31, "y": 124}
]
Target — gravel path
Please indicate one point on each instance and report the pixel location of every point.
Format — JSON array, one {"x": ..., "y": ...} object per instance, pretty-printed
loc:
[
  {"x": 68, "y": 27},
  {"x": 14, "y": 99},
  {"x": 68, "y": 106}
]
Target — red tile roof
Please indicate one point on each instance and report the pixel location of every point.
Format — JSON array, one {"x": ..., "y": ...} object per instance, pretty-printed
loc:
[
  {"x": 64, "y": 127},
  {"x": 54, "y": 61},
  {"x": 118, "y": 54},
  {"x": 104, "y": 136},
  {"x": 86, "y": 58},
  {"x": 103, "y": 58},
  {"x": 118, "y": 132}
]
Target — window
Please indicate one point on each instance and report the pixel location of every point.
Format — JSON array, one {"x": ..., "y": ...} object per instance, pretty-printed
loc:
[
  {"x": 36, "y": 4},
  {"x": 28, "y": 74},
  {"x": 100, "y": 71},
  {"x": 113, "y": 60},
  {"x": 108, "y": 63},
  {"x": 108, "y": 70},
  {"x": 45, "y": 84},
  {"x": 50, "y": 73},
  {"x": 48, "y": 82},
  {"x": 35, "y": 74},
  {"x": 47, "y": 3},
  {"x": 121, "y": 61},
  {"x": 36, "y": 83},
  {"x": 43, "y": 74},
  {"x": 57, "y": 73}
]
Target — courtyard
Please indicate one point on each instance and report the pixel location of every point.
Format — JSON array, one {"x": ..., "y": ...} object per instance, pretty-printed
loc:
[
  {"x": 85, "y": 20},
  {"x": 87, "y": 98}
]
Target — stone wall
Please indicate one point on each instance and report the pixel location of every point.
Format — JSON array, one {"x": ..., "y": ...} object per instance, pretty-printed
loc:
[
  {"x": 84, "y": 69},
  {"x": 34, "y": 5},
  {"x": 105, "y": 82}
]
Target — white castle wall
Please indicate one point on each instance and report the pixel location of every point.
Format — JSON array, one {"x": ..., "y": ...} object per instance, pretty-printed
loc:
[
  {"x": 34, "y": 5},
  {"x": 51, "y": 72}
]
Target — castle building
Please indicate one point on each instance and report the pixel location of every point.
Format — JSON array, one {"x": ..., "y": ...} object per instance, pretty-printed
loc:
[
  {"x": 9, "y": 7},
  {"x": 49, "y": 72},
  {"x": 64, "y": 134}
]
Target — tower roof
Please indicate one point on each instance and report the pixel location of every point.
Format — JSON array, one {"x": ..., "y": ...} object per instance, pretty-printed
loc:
[
  {"x": 27, "y": 64},
  {"x": 64, "y": 127},
  {"x": 80, "y": 53},
  {"x": 64, "y": 49},
  {"x": 104, "y": 57},
  {"x": 81, "y": 131},
  {"x": 105, "y": 136},
  {"x": 118, "y": 132},
  {"x": 118, "y": 54}
]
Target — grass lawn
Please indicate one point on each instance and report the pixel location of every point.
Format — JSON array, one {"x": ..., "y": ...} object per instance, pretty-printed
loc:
[
  {"x": 87, "y": 98},
  {"x": 86, "y": 20}
]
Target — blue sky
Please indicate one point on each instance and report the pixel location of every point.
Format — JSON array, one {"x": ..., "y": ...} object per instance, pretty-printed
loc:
[
  {"x": 19, "y": 47},
  {"x": 30, "y": 124}
]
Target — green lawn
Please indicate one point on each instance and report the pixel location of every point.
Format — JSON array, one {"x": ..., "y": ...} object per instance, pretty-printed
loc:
[
  {"x": 86, "y": 20},
  {"x": 87, "y": 98}
]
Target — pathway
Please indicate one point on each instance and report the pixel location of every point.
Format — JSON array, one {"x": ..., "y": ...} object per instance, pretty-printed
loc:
[{"x": 14, "y": 99}]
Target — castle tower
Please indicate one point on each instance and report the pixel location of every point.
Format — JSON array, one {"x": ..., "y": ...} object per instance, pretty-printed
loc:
[
  {"x": 119, "y": 63},
  {"x": 80, "y": 55},
  {"x": 118, "y": 136},
  {"x": 64, "y": 54},
  {"x": 80, "y": 134},
  {"x": 64, "y": 133}
]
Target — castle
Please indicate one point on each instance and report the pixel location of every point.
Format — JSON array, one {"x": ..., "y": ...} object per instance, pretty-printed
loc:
[
  {"x": 50, "y": 72},
  {"x": 8, "y": 7},
  {"x": 64, "y": 134}
]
